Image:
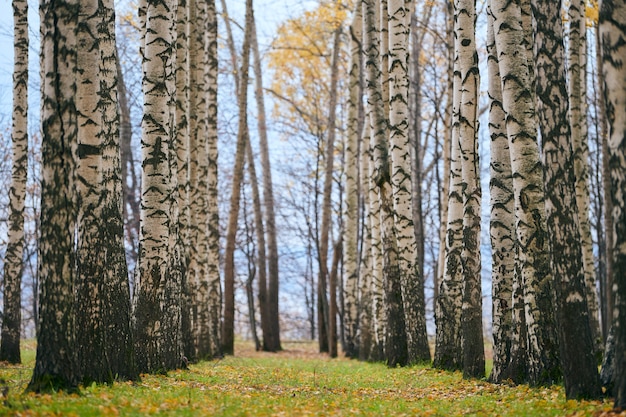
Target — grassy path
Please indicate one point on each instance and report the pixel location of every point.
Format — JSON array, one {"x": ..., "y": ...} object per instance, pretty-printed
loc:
[{"x": 297, "y": 382}]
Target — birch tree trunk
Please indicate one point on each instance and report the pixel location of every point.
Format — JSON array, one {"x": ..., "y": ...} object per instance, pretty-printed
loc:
[
  {"x": 613, "y": 32},
  {"x": 13, "y": 264},
  {"x": 502, "y": 221},
  {"x": 577, "y": 83},
  {"x": 396, "y": 351},
  {"x": 471, "y": 310},
  {"x": 411, "y": 279},
  {"x": 351, "y": 213},
  {"x": 182, "y": 159},
  {"x": 531, "y": 232},
  {"x": 158, "y": 344},
  {"x": 448, "y": 349},
  {"x": 103, "y": 294},
  {"x": 575, "y": 337},
  {"x": 213, "y": 270},
  {"x": 56, "y": 363}
]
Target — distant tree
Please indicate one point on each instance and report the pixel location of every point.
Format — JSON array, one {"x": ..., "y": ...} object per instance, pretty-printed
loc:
[
  {"x": 228, "y": 329},
  {"x": 13, "y": 262},
  {"x": 271, "y": 339},
  {"x": 577, "y": 92}
]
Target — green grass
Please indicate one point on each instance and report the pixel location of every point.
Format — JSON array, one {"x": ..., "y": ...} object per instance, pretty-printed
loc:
[{"x": 297, "y": 382}]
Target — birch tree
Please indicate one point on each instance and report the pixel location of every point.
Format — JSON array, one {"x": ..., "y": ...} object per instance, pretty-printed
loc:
[
  {"x": 577, "y": 97},
  {"x": 502, "y": 221},
  {"x": 13, "y": 264},
  {"x": 214, "y": 284},
  {"x": 395, "y": 338},
  {"x": 157, "y": 317},
  {"x": 575, "y": 338},
  {"x": 531, "y": 233},
  {"x": 412, "y": 281},
  {"x": 351, "y": 214},
  {"x": 471, "y": 309},
  {"x": 56, "y": 363},
  {"x": 103, "y": 294},
  {"x": 612, "y": 34}
]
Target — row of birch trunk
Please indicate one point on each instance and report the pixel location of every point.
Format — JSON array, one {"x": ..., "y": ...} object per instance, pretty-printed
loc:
[{"x": 545, "y": 310}]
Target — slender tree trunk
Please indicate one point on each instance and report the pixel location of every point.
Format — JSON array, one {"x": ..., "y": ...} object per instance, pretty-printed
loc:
[
  {"x": 412, "y": 280},
  {"x": 502, "y": 223},
  {"x": 13, "y": 264},
  {"x": 269, "y": 293},
  {"x": 613, "y": 32},
  {"x": 213, "y": 270},
  {"x": 327, "y": 194},
  {"x": 56, "y": 363},
  {"x": 119, "y": 348},
  {"x": 130, "y": 179},
  {"x": 448, "y": 349},
  {"x": 183, "y": 177},
  {"x": 228, "y": 331},
  {"x": 471, "y": 310},
  {"x": 577, "y": 59},
  {"x": 396, "y": 351},
  {"x": 351, "y": 214},
  {"x": 157, "y": 327}
]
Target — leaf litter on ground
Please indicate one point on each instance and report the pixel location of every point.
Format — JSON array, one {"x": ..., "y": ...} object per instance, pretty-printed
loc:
[{"x": 295, "y": 382}]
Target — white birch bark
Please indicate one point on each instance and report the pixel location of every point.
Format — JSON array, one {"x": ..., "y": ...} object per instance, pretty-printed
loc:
[
  {"x": 399, "y": 12},
  {"x": 12, "y": 300},
  {"x": 351, "y": 213},
  {"x": 531, "y": 233}
]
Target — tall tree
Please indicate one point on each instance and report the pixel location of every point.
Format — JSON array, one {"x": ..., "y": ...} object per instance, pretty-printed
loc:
[
  {"x": 613, "y": 33},
  {"x": 13, "y": 263},
  {"x": 157, "y": 317},
  {"x": 533, "y": 264},
  {"x": 502, "y": 223},
  {"x": 575, "y": 338},
  {"x": 104, "y": 342},
  {"x": 395, "y": 349},
  {"x": 215, "y": 289},
  {"x": 56, "y": 364},
  {"x": 577, "y": 92},
  {"x": 228, "y": 330},
  {"x": 271, "y": 337},
  {"x": 471, "y": 309},
  {"x": 351, "y": 213},
  {"x": 448, "y": 349},
  {"x": 330, "y": 315},
  {"x": 182, "y": 173},
  {"x": 399, "y": 12}
]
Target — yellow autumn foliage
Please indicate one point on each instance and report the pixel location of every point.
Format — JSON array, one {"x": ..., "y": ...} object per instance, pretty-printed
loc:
[{"x": 300, "y": 62}]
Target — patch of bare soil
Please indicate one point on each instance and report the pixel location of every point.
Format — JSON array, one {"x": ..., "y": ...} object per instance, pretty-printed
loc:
[{"x": 291, "y": 350}]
